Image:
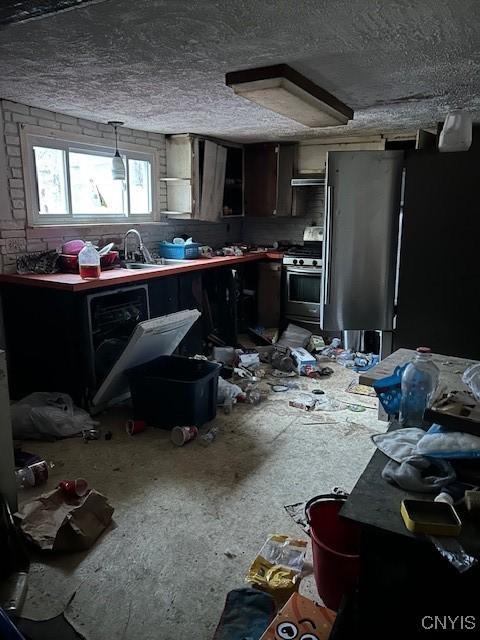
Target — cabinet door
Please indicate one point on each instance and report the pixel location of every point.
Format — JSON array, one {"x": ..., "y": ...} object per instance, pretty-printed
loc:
[
  {"x": 285, "y": 172},
  {"x": 163, "y": 295},
  {"x": 213, "y": 181},
  {"x": 260, "y": 179}
]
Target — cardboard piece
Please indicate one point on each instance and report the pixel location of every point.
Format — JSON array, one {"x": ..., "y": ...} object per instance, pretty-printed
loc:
[
  {"x": 301, "y": 618},
  {"x": 57, "y": 522}
]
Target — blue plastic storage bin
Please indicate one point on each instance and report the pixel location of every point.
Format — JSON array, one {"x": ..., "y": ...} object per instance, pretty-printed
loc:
[{"x": 178, "y": 251}]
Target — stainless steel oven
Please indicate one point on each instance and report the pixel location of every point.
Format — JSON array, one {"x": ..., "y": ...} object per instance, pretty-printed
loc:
[
  {"x": 302, "y": 293},
  {"x": 303, "y": 273}
]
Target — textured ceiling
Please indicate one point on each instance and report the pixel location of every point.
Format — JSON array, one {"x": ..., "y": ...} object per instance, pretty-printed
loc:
[{"x": 160, "y": 65}]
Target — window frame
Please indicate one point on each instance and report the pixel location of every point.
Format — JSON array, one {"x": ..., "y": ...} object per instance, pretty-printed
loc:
[{"x": 32, "y": 136}]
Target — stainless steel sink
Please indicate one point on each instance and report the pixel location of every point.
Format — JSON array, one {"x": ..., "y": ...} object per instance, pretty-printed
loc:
[
  {"x": 163, "y": 262},
  {"x": 167, "y": 261}
]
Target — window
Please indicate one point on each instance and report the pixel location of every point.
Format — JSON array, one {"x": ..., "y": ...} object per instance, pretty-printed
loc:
[{"x": 70, "y": 181}]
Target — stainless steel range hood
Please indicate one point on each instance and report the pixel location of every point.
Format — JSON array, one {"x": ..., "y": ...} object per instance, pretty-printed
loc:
[{"x": 308, "y": 181}]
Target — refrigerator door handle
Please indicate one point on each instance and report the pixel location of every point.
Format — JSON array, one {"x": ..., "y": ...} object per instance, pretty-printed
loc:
[{"x": 328, "y": 247}]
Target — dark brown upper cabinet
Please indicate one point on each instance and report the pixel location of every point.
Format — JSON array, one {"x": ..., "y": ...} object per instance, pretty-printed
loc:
[{"x": 269, "y": 169}]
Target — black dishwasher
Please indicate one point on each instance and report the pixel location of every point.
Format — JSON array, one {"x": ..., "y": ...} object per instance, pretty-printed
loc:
[{"x": 112, "y": 317}]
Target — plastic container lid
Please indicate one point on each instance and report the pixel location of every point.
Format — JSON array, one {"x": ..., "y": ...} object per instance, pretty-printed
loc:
[{"x": 423, "y": 350}]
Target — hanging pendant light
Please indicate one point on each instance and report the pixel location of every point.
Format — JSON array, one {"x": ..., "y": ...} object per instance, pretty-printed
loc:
[{"x": 118, "y": 168}]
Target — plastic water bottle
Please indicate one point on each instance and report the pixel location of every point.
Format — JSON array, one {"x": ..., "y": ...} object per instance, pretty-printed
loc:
[
  {"x": 419, "y": 381},
  {"x": 89, "y": 262}
]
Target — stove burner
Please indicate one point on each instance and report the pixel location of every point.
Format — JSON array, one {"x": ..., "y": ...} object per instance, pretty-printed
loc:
[{"x": 310, "y": 252}]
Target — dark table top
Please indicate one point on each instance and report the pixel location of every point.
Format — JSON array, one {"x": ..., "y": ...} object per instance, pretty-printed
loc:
[{"x": 376, "y": 503}]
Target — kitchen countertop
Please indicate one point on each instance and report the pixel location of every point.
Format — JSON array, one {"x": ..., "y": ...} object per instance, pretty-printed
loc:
[{"x": 73, "y": 282}]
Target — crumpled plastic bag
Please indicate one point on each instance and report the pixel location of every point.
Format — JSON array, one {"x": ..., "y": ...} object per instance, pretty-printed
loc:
[
  {"x": 227, "y": 392},
  {"x": 44, "y": 416}
]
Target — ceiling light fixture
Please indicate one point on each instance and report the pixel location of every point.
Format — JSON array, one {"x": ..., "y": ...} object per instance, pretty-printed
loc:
[
  {"x": 118, "y": 168},
  {"x": 287, "y": 92}
]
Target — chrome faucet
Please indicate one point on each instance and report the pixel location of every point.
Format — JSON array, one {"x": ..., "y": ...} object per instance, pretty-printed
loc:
[{"x": 141, "y": 247}]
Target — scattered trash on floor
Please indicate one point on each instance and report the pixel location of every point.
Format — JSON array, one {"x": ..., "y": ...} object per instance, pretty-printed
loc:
[
  {"x": 249, "y": 360},
  {"x": 132, "y": 427},
  {"x": 207, "y": 438},
  {"x": 57, "y": 522},
  {"x": 46, "y": 416},
  {"x": 317, "y": 371},
  {"x": 301, "y": 618},
  {"x": 317, "y": 343},
  {"x": 294, "y": 337},
  {"x": 325, "y": 403},
  {"x": 32, "y": 475},
  {"x": 303, "y": 359},
  {"x": 283, "y": 374},
  {"x": 297, "y": 513},
  {"x": 181, "y": 435},
  {"x": 91, "y": 434},
  {"x": 281, "y": 387},
  {"x": 360, "y": 389},
  {"x": 277, "y": 569},
  {"x": 305, "y": 402},
  {"x": 76, "y": 488},
  {"x": 227, "y": 392}
]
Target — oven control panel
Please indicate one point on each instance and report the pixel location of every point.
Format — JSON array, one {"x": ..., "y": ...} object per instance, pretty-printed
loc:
[{"x": 304, "y": 261}]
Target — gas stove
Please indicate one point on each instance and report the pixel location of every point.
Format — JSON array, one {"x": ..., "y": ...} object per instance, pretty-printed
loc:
[
  {"x": 310, "y": 253},
  {"x": 303, "y": 271}
]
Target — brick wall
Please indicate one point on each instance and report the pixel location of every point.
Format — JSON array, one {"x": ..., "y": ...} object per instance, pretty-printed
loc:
[{"x": 17, "y": 237}]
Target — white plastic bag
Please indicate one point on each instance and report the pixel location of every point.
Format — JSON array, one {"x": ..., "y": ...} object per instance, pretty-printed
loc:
[
  {"x": 227, "y": 392},
  {"x": 43, "y": 416}
]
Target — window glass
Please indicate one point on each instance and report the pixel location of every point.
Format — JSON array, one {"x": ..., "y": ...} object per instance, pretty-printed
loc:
[
  {"x": 139, "y": 186},
  {"x": 51, "y": 182},
  {"x": 93, "y": 189}
]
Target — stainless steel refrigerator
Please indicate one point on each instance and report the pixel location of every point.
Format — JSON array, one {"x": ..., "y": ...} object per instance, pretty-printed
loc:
[
  {"x": 362, "y": 211},
  {"x": 400, "y": 252}
]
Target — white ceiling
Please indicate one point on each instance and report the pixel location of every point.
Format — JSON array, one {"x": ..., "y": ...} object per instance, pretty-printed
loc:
[{"x": 160, "y": 65}]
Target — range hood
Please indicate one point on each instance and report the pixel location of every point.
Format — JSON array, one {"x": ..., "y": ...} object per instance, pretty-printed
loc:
[{"x": 308, "y": 180}]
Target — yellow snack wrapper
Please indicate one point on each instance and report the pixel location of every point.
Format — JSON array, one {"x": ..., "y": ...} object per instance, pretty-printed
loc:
[{"x": 277, "y": 568}]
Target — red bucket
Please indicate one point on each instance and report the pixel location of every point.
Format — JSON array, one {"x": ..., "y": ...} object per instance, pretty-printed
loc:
[{"x": 335, "y": 546}]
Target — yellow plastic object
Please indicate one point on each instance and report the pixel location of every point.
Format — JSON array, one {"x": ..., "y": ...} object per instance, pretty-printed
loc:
[
  {"x": 433, "y": 518},
  {"x": 277, "y": 568}
]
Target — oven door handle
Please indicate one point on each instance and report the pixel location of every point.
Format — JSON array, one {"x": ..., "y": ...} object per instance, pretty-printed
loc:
[{"x": 305, "y": 271}]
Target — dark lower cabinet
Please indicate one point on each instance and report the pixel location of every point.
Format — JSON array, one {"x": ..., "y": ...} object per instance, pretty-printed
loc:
[
  {"x": 46, "y": 341},
  {"x": 66, "y": 342},
  {"x": 163, "y": 295},
  {"x": 190, "y": 294}
]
